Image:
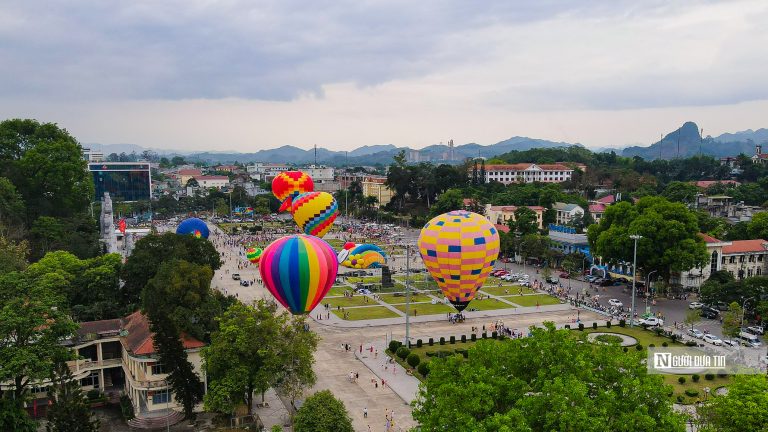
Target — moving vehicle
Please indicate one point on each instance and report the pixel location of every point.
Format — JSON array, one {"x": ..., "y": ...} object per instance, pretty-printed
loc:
[
  {"x": 615, "y": 302},
  {"x": 565, "y": 275},
  {"x": 652, "y": 322},
  {"x": 695, "y": 305},
  {"x": 235, "y": 276},
  {"x": 696, "y": 333},
  {"x": 553, "y": 280},
  {"x": 750, "y": 340},
  {"x": 708, "y": 312},
  {"x": 755, "y": 330},
  {"x": 714, "y": 340}
]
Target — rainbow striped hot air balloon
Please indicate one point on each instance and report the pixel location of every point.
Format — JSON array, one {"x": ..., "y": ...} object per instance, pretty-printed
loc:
[
  {"x": 314, "y": 212},
  {"x": 287, "y": 185},
  {"x": 459, "y": 249},
  {"x": 253, "y": 254},
  {"x": 299, "y": 270},
  {"x": 193, "y": 226}
]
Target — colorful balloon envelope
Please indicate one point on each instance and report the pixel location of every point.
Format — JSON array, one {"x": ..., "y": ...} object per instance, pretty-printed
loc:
[
  {"x": 362, "y": 256},
  {"x": 193, "y": 226},
  {"x": 299, "y": 270},
  {"x": 287, "y": 185},
  {"x": 459, "y": 249},
  {"x": 314, "y": 212},
  {"x": 253, "y": 254}
]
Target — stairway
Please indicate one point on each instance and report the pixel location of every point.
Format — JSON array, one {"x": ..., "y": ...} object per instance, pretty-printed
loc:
[{"x": 149, "y": 423}]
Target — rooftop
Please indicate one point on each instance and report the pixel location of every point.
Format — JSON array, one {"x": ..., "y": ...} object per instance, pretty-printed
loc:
[
  {"x": 608, "y": 199},
  {"x": 745, "y": 246}
]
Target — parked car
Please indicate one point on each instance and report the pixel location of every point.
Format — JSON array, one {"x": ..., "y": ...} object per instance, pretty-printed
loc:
[
  {"x": 244, "y": 283},
  {"x": 730, "y": 342},
  {"x": 708, "y": 312},
  {"x": 565, "y": 275},
  {"x": 652, "y": 322},
  {"x": 695, "y": 305},
  {"x": 756, "y": 330},
  {"x": 615, "y": 303},
  {"x": 714, "y": 340},
  {"x": 606, "y": 282},
  {"x": 525, "y": 283},
  {"x": 696, "y": 333},
  {"x": 235, "y": 276},
  {"x": 553, "y": 280},
  {"x": 750, "y": 340}
]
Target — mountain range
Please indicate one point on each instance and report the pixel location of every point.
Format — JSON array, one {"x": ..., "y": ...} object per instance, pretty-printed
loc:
[{"x": 683, "y": 142}]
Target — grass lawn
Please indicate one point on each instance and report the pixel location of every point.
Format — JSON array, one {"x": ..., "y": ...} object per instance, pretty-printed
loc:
[
  {"x": 679, "y": 389},
  {"x": 335, "y": 243},
  {"x": 395, "y": 299},
  {"x": 644, "y": 337},
  {"x": 488, "y": 304},
  {"x": 358, "y": 300},
  {"x": 427, "y": 308},
  {"x": 499, "y": 290},
  {"x": 533, "y": 300},
  {"x": 338, "y": 290},
  {"x": 367, "y": 279},
  {"x": 363, "y": 313}
]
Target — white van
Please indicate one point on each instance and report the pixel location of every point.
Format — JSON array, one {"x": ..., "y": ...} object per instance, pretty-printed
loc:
[{"x": 749, "y": 340}]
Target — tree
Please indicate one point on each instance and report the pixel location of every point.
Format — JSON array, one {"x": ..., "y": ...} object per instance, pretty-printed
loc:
[
  {"x": 743, "y": 408},
  {"x": 33, "y": 322},
  {"x": 692, "y": 317},
  {"x": 524, "y": 222},
  {"x": 255, "y": 348},
  {"x": 13, "y": 416},
  {"x": 69, "y": 411},
  {"x": 549, "y": 381},
  {"x": 732, "y": 320},
  {"x": 322, "y": 412},
  {"x": 670, "y": 236},
  {"x": 450, "y": 200},
  {"x": 680, "y": 192},
  {"x": 758, "y": 226},
  {"x": 12, "y": 211},
  {"x": 13, "y": 257},
  {"x": 535, "y": 245}
]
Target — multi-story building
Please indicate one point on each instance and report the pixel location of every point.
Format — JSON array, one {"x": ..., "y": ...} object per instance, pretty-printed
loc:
[
  {"x": 125, "y": 181},
  {"x": 567, "y": 241},
  {"x": 528, "y": 173},
  {"x": 745, "y": 258},
  {"x": 694, "y": 277},
  {"x": 91, "y": 155},
  {"x": 500, "y": 215},
  {"x": 208, "y": 182},
  {"x": 597, "y": 211},
  {"x": 566, "y": 213},
  {"x": 265, "y": 172},
  {"x": 184, "y": 175},
  {"x": 374, "y": 186}
]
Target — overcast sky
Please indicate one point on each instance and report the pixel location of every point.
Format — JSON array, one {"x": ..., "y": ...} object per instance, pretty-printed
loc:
[{"x": 248, "y": 75}]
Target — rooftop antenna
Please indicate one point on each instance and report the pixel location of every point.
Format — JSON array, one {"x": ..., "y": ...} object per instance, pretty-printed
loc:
[{"x": 315, "y": 154}]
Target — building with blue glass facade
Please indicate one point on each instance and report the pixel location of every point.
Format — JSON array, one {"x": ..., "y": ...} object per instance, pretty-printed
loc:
[{"x": 125, "y": 181}]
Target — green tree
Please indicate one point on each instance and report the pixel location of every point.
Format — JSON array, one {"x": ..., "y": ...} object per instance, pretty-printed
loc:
[
  {"x": 322, "y": 412},
  {"x": 69, "y": 411},
  {"x": 13, "y": 257},
  {"x": 13, "y": 416},
  {"x": 452, "y": 199},
  {"x": 732, "y": 320},
  {"x": 680, "y": 192},
  {"x": 758, "y": 226},
  {"x": 255, "y": 348},
  {"x": 743, "y": 408},
  {"x": 692, "y": 317},
  {"x": 535, "y": 245},
  {"x": 549, "y": 381},
  {"x": 670, "y": 241},
  {"x": 12, "y": 211},
  {"x": 525, "y": 222},
  {"x": 33, "y": 322}
]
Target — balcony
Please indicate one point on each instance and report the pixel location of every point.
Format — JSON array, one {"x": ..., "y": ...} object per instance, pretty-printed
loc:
[{"x": 86, "y": 364}]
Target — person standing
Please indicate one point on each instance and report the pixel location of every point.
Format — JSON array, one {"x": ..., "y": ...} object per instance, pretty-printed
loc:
[{"x": 365, "y": 412}]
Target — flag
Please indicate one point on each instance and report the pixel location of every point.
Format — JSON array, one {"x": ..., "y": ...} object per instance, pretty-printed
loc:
[{"x": 121, "y": 226}]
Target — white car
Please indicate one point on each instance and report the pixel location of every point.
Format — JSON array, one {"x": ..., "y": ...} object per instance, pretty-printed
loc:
[
  {"x": 756, "y": 330},
  {"x": 730, "y": 342},
  {"x": 695, "y": 305},
  {"x": 615, "y": 303},
  {"x": 714, "y": 340},
  {"x": 696, "y": 333},
  {"x": 652, "y": 322}
]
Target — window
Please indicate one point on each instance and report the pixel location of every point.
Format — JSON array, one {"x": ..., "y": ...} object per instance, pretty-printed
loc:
[
  {"x": 713, "y": 262},
  {"x": 90, "y": 380},
  {"x": 741, "y": 259},
  {"x": 758, "y": 271},
  {"x": 158, "y": 369},
  {"x": 749, "y": 272},
  {"x": 732, "y": 260},
  {"x": 759, "y": 258},
  {"x": 161, "y": 396},
  {"x": 752, "y": 258}
]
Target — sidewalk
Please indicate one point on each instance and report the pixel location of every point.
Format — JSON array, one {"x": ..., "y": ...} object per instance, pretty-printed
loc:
[{"x": 404, "y": 385}]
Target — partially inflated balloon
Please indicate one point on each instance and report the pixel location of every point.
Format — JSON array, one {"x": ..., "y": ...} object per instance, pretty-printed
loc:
[
  {"x": 287, "y": 185},
  {"x": 299, "y": 270},
  {"x": 459, "y": 249},
  {"x": 193, "y": 226},
  {"x": 362, "y": 256},
  {"x": 253, "y": 254},
  {"x": 314, "y": 212}
]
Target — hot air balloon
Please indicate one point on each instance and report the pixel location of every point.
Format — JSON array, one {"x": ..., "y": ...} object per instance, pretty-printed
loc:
[
  {"x": 287, "y": 185},
  {"x": 299, "y": 270},
  {"x": 253, "y": 254},
  {"x": 459, "y": 249},
  {"x": 193, "y": 226},
  {"x": 362, "y": 256},
  {"x": 314, "y": 212}
]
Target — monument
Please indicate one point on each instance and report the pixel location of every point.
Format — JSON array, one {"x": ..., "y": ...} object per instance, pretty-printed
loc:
[
  {"x": 386, "y": 277},
  {"x": 107, "y": 225}
]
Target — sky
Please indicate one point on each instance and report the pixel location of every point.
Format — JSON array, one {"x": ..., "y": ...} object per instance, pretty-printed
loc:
[{"x": 235, "y": 75}]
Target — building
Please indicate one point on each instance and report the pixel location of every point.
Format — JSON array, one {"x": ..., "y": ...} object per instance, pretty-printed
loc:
[
  {"x": 724, "y": 207},
  {"x": 567, "y": 241},
  {"x": 597, "y": 211},
  {"x": 323, "y": 177},
  {"x": 184, "y": 175},
  {"x": 125, "y": 181},
  {"x": 266, "y": 171},
  {"x": 566, "y": 213},
  {"x": 500, "y": 215},
  {"x": 374, "y": 186},
  {"x": 227, "y": 168},
  {"x": 759, "y": 156},
  {"x": 704, "y": 184},
  {"x": 217, "y": 182},
  {"x": 745, "y": 258},
  {"x": 694, "y": 277},
  {"x": 91, "y": 155},
  {"x": 528, "y": 173}
]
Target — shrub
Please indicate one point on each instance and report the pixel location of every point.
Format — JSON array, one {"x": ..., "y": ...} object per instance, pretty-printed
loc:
[
  {"x": 430, "y": 353},
  {"x": 443, "y": 354},
  {"x": 722, "y": 374},
  {"x": 622, "y": 323},
  {"x": 608, "y": 339},
  {"x": 626, "y": 349},
  {"x": 664, "y": 344},
  {"x": 473, "y": 337},
  {"x": 463, "y": 338},
  {"x": 126, "y": 407},
  {"x": 690, "y": 343},
  {"x": 465, "y": 353},
  {"x": 394, "y": 345},
  {"x": 403, "y": 352},
  {"x": 485, "y": 335},
  {"x": 594, "y": 325},
  {"x": 494, "y": 335},
  {"x": 453, "y": 339},
  {"x": 673, "y": 337},
  {"x": 423, "y": 368},
  {"x": 431, "y": 341},
  {"x": 93, "y": 394},
  {"x": 695, "y": 377},
  {"x": 442, "y": 340},
  {"x": 418, "y": 343},
  {"x": 692, "y": 392},
  {"x": 608, "y": 324},
  {"x": 681, "y": 380},
  {"x": 413, "y": 360},
  {"x": 680, "y": 399},
  {"x": 709, "y": 377},
  {"x": 651, "y": 345},
  {"x": 581, "y": 326},
  {"x": 639, "y": 347},
  {"x": 567, "y": 326}
]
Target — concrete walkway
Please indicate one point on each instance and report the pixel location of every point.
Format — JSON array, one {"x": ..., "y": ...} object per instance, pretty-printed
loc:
[{"x": 404, "y": 385}]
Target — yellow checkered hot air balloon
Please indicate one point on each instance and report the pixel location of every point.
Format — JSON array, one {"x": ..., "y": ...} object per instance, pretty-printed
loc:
[{"x": 459, "y": 249}]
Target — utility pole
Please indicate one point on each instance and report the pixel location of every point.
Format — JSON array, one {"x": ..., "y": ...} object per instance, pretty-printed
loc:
[
  {"x": 407, "y": 295},
  {"x": 634, "y": 237},
  {"x": 346, "y": 192}
]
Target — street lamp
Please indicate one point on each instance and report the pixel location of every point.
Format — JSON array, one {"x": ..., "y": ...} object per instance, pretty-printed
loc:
[
  {"x": 743, "y": 310},
  {"x": 648, "y": 288},
  {"x": 634, "y": 237}
]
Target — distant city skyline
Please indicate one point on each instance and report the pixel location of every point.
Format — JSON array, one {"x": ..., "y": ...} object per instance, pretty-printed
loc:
[{"x": 244, "y": 76}]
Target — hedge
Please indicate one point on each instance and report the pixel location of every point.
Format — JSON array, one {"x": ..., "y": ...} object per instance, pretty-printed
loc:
[
  {"x": 413, "y": 360},
  {"x": 403, "y": 352},
  {"x": 423, "y": 368},
  {"x": 394, "y": 345}
]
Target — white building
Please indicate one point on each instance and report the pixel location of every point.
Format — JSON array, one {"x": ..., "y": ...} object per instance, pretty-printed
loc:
[
  {"x": 528, "y": 173},
  {"x": 567, "y": 212},
  {"x": 208, "y": 182}
]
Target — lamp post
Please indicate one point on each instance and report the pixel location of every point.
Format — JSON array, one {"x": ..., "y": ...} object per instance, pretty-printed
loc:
[
  {"x": 648, "y": 288},
  {"x": 743, "y": 309},
  {"x": 634, "y": 237}
]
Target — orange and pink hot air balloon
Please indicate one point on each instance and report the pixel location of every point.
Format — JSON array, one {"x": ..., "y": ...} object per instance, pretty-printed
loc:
[{"x": 287, "y": 185}]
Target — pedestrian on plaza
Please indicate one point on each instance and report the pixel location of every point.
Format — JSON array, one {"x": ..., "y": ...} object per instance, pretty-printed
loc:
[{"x": 365, "y": 413}]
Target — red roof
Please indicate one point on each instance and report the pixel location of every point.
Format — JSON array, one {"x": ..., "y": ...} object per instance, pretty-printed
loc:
[
  {"x": 139, "y": 341},
  {"x": 709, "y": 239},
  {"x": 703, "y": 184},
  {"x": 507, "y": 167},
  {"x": 512, "y": 209},
  {"x": 744, "y": 246},
  {"x": 502, "y": 228},
  {"x": 214, "y": 177},
  {"x": 597, "y": 208},
  {"x": 554, "y": 167},
  {"x": 608, "y": 199}
]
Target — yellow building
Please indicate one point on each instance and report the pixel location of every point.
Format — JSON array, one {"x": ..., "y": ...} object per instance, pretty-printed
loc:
[{"x": 374, "y": 186}]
